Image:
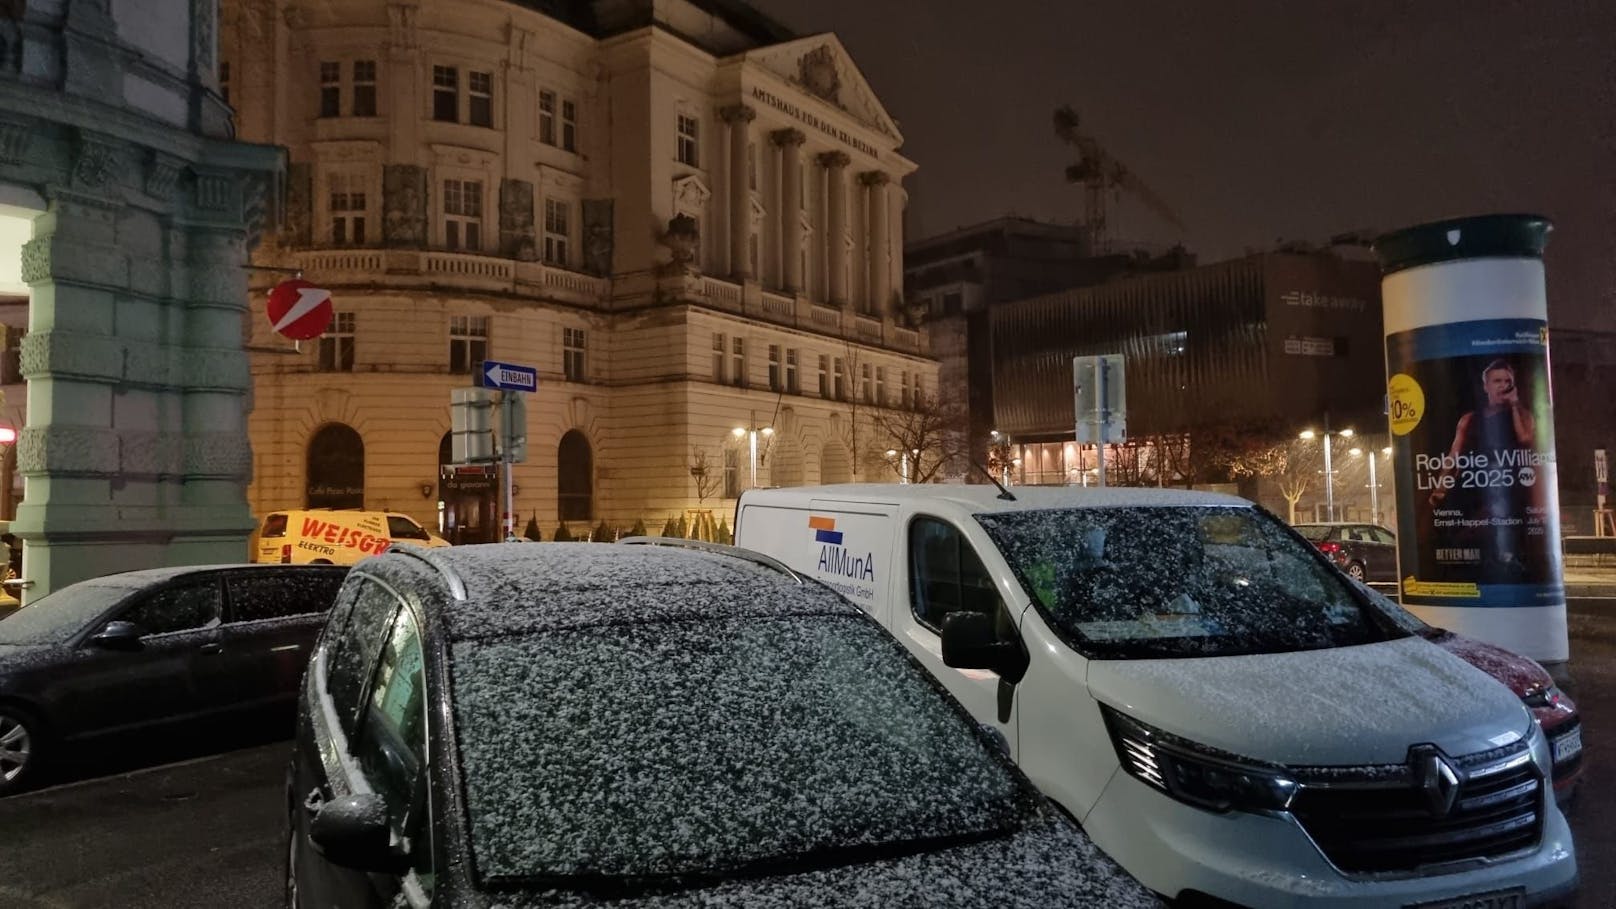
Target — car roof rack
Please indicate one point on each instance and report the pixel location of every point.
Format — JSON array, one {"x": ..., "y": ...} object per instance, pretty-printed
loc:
[
  {"x": 457, "y": 587},
  {"x": 738, "y": 552}
]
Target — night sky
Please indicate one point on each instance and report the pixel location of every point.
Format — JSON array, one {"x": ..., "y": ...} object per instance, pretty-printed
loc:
[{"x": 1259, "y": 121}]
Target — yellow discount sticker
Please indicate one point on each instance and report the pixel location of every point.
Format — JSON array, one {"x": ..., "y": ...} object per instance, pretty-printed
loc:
[{"x": 1405, "y": 402}]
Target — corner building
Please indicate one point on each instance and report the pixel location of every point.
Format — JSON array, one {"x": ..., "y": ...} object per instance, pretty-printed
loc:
[{"x": 686, "y": 217}]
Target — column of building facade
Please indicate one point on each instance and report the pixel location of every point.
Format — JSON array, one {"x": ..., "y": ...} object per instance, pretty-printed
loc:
[
  {"x": 880, "y": 240},
  {"x": 739, "y": 117},
  {"x": 790, "y": 143},
  {"x": 835, "y": 164}
]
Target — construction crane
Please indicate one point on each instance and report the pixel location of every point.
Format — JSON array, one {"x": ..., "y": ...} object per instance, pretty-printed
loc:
[{"x": 1102, "y": 175}]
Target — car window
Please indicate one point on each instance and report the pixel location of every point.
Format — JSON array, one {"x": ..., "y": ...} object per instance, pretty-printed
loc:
[
  {"x": 392, "y": 745},
  {"x": 402, "y": 528},
  {"x": 1316, "y": 533},
  {"x": 1382, "y": 535},
  {"x": 352, "y": 650},
  {"x": 946, "y": 575},
  {"x": 60, "y": 614},
  {"x": 274, "y": 526},
  {"x": 182, "y": 608},
  {"x": 1160, "y": 582},
  {"x": 721, "y": 746},
  {"x": 259, "y": 594}
]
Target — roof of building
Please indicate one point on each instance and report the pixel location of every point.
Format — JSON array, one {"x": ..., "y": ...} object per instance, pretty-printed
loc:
[
  {"x": 527, "y": 588},
  {"x": 605, "y": 18}
]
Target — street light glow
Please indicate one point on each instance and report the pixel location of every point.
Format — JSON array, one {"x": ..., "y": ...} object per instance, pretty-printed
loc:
[
  {"x": 1355, "y": 452},
  {"x": 1387, "y": 451},
  {"x": 1308, "y": 434},
  {"x": 768, "y": 430},
  {"x": 1345, "y": 433},
  {"x": 738, "y": 432}
]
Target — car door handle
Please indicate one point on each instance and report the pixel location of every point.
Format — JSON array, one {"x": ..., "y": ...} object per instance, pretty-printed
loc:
[
  {"x": 211, "y": 648},
  {"x": 313, "y": 802}
]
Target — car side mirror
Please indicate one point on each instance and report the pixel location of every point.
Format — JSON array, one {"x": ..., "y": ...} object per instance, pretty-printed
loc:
[
  {"x": 970, "y": 642},
  {"x": 119, "y": 635},
  {"x": 352, "y": 832}
]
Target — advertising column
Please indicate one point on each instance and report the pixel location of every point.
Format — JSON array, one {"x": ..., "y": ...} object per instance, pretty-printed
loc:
[{"x": 1472, "y": 422}]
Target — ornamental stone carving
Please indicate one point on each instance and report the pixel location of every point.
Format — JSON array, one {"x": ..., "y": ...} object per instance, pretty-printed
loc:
[
  {"x": 833, "y": 160},
  {"x": 162, "y": 172},
  {"x": 787, "y": 138},
  {"x": 94, "y": 160},
  {"x": 61, "y": 354},
  {"x": 63, "y": 449},
  {"x": 213, "y": 192},
  {"x": 516, "y": 232},
  {"x": 217, "y": 454},
  {"x": 875, "y": 178},
  {"x": 404, "y": 216},
  {"x": 15, "y": 139},
  {"x": 737, "y": 113},
  {"x": 36, "y": 260},
  {"x": 817, "y": 72}
]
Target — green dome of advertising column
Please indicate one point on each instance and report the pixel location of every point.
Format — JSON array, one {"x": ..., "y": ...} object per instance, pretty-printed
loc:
[{"x": 1472, "y": 422}]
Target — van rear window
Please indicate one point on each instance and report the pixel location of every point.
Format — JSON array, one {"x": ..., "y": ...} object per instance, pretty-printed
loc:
[{"x": 274, "y": 526}]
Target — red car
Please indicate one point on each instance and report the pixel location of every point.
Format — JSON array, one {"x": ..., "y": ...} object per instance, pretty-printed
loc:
[{"x": 1553, "y": 710}]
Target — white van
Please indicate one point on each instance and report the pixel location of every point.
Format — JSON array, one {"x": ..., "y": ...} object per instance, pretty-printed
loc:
[{"x": 1280, "y": 738}]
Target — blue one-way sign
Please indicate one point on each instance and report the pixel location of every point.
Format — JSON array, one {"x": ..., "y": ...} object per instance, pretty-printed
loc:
[{"x": 507, "y": 376}]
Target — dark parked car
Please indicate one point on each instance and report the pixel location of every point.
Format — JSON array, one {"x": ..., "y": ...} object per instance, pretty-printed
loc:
[
  {"x": 143, "y": 649},
  {"x": 1367, "y": 552},
  {"x": 1554, "y": 711},
  {"x": 520, "y": 725}
]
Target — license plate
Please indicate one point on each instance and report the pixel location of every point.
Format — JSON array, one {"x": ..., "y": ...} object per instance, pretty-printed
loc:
[
  {"x": 1498, "y": 899},
  {"x": 1568, "y": 746}
]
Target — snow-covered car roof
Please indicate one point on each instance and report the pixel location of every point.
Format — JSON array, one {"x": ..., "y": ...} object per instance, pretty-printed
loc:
[
  {"x": 519, "y": 588},
  {"x": 986, "y": 498}
]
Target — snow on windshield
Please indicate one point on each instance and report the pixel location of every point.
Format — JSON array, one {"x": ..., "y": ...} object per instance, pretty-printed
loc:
[
  {"x": 1170, "y": 581},
  {"x": 520, "y": 588},
  {"x": 709, "y": 745}
]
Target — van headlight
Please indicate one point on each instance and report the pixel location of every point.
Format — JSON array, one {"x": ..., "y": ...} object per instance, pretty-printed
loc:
[{"x": 1196, "y": 774}]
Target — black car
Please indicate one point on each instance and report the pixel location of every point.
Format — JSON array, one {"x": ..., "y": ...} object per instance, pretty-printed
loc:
[
  {"x": 142, "y": 649},
  {"x": 1367, "y": 552},
  {"x": 566, "y": 723}
]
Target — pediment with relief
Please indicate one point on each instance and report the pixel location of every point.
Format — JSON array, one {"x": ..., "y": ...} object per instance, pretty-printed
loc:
[
  {"x": 690, "y": 194},
  {"x": 820, "y": 66}
]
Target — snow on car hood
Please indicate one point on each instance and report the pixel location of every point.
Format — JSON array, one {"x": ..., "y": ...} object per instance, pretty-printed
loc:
[{"x": 1345, "y": 706}]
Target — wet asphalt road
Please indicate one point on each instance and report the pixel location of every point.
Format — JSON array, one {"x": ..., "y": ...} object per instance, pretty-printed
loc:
[{"x": 206, "y": 832}]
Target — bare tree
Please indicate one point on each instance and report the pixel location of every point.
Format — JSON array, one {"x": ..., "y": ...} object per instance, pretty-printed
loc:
[
  {"x": 1290, "y": 463},
  {"x": 931, "y": 433},
  {"x": 707, "y": 479}
]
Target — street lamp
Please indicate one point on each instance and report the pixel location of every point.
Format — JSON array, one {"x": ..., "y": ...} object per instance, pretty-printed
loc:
[
  {"x": 750, "y": 433},
  {"x": 1374, "y": 484},
  {"x": 1329, "y": 474},
  {"x": 904, "y": 463}
]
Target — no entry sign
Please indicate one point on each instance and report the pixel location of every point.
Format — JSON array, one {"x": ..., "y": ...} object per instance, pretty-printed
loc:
[{"x": 299, "y": 310}]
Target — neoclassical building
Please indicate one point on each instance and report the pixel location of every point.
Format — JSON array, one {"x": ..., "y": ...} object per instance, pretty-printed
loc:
[
  {"x": 688, "y": 219},
  {"x": 126, "y": 212}
]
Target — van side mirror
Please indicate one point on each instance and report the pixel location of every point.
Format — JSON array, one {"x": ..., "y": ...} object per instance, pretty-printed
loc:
[
  {"x": 970, "y": 642},
  {"x": 123, "y": 636},
  {"x": 352, "y": 832}
]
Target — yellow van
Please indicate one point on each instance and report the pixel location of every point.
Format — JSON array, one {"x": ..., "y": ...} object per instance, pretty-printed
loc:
[{"x": 326, "y": 536}]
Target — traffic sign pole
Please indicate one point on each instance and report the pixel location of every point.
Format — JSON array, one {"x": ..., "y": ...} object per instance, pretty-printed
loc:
[{"x": 507, "y": 457}]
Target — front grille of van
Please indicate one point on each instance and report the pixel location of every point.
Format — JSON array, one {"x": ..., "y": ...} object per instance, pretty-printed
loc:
[{"x": 1434, "y": 810}]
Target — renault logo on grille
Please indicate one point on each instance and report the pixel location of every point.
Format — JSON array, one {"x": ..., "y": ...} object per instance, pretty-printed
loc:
[{"x": 1435, "y": 778}]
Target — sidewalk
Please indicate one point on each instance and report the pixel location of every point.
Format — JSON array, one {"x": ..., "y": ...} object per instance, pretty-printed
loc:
[{"x": 1590, "y": 582}]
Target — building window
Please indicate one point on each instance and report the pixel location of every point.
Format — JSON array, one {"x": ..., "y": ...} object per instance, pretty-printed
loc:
[
  {"x": 468, "y": 342},
  {"x": 330, "y": 89},
  {"x": 557, "y": 215},
  {"x": 689, "y": 141},
  {"x": 881, "y": 385},
  {"x": 575, "y": 480},
  {"x": 904, "y": 399},
  {"x": 776, "y": 372},
  {"x": 824, "y": 376},
  {"x": 919, "y": 397},
  {"x": 364, "y": 88},
  {"x": 737, "y": 361},
  {"x": 792, "y": 385},
  {"x": 732, "y": 474},
  {"x": 569, "y": 126},
  {"x": 481, "y": 103},
  {"x": 337, "y": 344},
  {"x": 841, "y": 380},
  {"x": 463, "y": 214},
  {"x": 347, "y": 210},
  {"x": 547, "y": 114},
  {"x": 718, "y": 358},
  {"x": 866, "y": 393},
  {"x": 446, "y": 94},
  {"x": 224, "y": 80},
  {"x": 572, "y": 353}
]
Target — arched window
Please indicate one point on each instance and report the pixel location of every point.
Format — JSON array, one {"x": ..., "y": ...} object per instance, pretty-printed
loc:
[
  {"x": 575, "y": 488},
  {"x": 336, "y": 474}
]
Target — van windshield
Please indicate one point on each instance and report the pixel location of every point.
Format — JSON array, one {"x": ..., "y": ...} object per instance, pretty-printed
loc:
[{"x": 1163, "y": 582}]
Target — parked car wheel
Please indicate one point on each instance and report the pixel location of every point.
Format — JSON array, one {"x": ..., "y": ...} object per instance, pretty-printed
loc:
[
  {"x": 1356, "y": 571},
  {"x": 20, "y": 738}
]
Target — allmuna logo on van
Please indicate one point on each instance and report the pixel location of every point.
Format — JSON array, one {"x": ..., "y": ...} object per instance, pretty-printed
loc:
[{"x": 836, "y": 559}]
